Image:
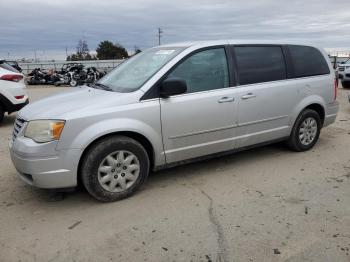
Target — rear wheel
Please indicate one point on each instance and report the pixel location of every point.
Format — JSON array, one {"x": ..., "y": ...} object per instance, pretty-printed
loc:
[
  {"x": 114, "y": 168},
  {"x": 306, "y": 131}
]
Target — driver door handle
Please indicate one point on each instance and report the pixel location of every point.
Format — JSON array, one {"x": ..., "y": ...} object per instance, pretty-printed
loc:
[
  {"x": 247, "y": 96},
  {"x": 226, "y": 99}
]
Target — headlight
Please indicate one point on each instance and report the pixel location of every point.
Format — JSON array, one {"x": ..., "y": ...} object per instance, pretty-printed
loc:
[{"x": 42, "y": 131}]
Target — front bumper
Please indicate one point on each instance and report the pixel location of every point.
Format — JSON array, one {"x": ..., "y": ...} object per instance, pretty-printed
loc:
[
  {"x": 344, "y": 76},
  {"x": 41, "y": 165}
]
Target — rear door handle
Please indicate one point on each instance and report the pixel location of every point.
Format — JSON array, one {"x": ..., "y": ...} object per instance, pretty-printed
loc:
[
  {"x": 247, "y": 96},
  {"x": 226, "y": 99}
]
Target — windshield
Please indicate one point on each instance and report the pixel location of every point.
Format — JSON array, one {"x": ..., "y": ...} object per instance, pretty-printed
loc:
[{"x": 134, "y": 72}]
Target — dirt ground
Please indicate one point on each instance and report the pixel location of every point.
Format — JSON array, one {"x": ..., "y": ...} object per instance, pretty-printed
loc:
[{"x": 265, "y": 204}]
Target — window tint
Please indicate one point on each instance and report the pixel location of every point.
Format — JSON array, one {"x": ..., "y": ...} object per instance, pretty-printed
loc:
[
  {"x": 205, "y": 70},
  {"x": 307, "y": 61},
  {"x": 260, "y": 64}
]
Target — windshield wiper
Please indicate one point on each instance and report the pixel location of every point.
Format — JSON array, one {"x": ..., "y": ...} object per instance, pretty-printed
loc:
[{"x": 101, "y": 86}]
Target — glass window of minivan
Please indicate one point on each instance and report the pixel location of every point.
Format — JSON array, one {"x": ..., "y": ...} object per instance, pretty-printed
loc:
[
  {"x": 307, "y": 61},
  {"x": 204, "y": 70},
  {"x": 258, "y": 64},
  {"x": 134, "y": 72}
]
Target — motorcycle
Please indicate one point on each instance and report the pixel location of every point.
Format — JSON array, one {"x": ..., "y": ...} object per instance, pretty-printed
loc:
[{"x": 39, "y": 77}]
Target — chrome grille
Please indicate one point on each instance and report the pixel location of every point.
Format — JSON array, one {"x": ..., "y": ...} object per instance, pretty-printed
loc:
[{"x": 17, "y": 127}]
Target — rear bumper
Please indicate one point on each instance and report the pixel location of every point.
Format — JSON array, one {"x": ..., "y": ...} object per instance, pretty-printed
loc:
[
  {"x": 42, "y": 166},
  {"x": 16, "y": 107},
  {"x": 331, "y": 113}
]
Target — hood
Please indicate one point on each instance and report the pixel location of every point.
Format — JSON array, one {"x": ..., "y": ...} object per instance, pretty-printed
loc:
[{"x": 79, "y": 100}]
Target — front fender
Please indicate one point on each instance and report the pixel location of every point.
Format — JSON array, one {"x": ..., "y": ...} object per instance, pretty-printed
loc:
[{"x": 109, "y": 126}]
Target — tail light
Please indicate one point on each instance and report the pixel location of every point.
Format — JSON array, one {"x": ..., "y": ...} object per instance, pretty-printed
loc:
[
  {"x": 13, "y": 78},
  {"x": 19, "y": 97},
  {"x": 335, "y": 88}
]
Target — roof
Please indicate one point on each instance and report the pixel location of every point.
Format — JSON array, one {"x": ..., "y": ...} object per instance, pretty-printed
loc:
[{"x": 234, "y": 42}]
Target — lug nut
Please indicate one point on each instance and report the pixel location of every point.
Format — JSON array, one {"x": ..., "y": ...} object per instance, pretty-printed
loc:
[
  {"x": 124, "y": 167},
  {"x": 123, "y": 174},
  {"x": 116, "y": 176}
]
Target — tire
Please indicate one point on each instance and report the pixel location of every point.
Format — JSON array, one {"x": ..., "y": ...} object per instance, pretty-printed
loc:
[
  {"x": 345, "y": 84},
  {"x": 73, "y": 83},
  {"x": 2, "y": 113},
  {"x": 298, "y": 143},
  {"x": 100, "y": 173}
]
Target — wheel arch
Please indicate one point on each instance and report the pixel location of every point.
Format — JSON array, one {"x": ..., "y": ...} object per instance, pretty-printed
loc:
[
  {"x": 144, "y": 141},
  {"x": 312, "y": 102}
]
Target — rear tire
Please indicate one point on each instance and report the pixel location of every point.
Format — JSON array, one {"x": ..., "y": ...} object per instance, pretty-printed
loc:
[
  {"x": 114, "y": 168},
  {"x": 306, "y": 131},
  {"x": 345, "y": 84}
]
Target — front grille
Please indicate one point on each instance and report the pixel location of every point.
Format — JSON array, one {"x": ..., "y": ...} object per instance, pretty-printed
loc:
[
  {"x": 341, "y": 68},
  {"x": 17, "y": 127}
]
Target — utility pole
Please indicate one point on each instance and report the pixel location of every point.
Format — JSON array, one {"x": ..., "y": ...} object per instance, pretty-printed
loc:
[
  {"x": 34, "y": 55},
  {"x": 160, "y": 32}
]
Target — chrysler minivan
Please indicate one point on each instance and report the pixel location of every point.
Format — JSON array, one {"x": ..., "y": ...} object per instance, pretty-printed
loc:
[{"x": 173, "y": 104}]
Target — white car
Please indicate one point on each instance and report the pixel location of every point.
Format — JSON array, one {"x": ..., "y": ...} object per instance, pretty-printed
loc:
[
  {"x": 13, "y": 95},
  {"x": 344, "y": 74}
]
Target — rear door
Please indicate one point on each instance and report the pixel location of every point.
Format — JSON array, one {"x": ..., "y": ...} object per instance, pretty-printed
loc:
[
  {"x": 203, "y": 120},
  {"x": 266, "y": 97}
]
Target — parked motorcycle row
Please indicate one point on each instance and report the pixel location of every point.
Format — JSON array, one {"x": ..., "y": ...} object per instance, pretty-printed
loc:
[{"x": 70, "y": 74}]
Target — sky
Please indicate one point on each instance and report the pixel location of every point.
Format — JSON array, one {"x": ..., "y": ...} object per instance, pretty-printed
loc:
[{"x": 45, "y": 28}]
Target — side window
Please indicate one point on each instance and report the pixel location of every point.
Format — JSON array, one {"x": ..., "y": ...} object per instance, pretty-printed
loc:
[
  {"x": 307, "y": 61},
  {"x": 203, "y": 71},
  {"x": 258, "y": 64}
]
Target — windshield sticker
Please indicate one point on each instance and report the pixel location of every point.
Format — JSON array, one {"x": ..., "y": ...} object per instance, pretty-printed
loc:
[{"x": 165, "y": 52}]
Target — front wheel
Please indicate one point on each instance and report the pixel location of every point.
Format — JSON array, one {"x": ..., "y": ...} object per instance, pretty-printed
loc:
[
  {"x": 114, "y": 168},
  {"x": 306, "y": 131},
  {"x": 345, "y": 84},
  {"x": 2, "y": 114}
]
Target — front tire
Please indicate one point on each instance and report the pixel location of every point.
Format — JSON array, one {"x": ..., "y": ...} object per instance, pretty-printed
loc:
[
  {"x": 345, "y": 84},
  {"x": 2, "y": 113},
  {"x": 306, "y": 131},
  {"x": 114, "y": 168}
]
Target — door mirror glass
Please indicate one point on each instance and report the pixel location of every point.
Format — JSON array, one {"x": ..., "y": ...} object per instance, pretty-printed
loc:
[{"x": 173, "y": 86}]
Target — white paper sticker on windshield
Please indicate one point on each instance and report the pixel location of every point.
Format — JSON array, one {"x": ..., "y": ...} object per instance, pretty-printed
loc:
[{"x": 165, "y": 52}]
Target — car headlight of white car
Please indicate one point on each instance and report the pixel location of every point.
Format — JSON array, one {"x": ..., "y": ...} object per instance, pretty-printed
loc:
[{"x": 42, "y": 131}]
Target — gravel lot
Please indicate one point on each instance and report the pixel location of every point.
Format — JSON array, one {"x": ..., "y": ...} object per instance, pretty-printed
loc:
[{"x": 265, "y": 204}]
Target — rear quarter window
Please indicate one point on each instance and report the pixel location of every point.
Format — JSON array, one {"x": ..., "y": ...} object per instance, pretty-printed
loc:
[{"x": 307, "y": 61}]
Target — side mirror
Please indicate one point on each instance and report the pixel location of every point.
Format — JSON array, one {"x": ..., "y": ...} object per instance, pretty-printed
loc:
[{"x": 173, "y": 86}]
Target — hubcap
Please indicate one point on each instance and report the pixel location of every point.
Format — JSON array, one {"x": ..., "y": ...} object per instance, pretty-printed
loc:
[
  {"x": 118, "y": 171},
  {"x": 308, "y": 131}
]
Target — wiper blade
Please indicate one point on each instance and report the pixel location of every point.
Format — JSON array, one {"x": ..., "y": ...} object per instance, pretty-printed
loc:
[{"x": 101, "y": 86}]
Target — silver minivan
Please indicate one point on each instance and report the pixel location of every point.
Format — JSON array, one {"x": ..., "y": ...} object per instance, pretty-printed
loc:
[{"x": 172, "y": 104}]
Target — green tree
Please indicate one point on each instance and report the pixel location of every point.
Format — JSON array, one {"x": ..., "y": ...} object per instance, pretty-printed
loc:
[{"x": 107, "y": 50}]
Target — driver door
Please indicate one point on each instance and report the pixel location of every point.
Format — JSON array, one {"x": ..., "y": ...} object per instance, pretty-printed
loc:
[{"x": 202, "y": 121}]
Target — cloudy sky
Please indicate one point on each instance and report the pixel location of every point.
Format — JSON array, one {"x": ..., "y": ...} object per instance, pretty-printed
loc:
[{"x": 50, "y": 26}]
